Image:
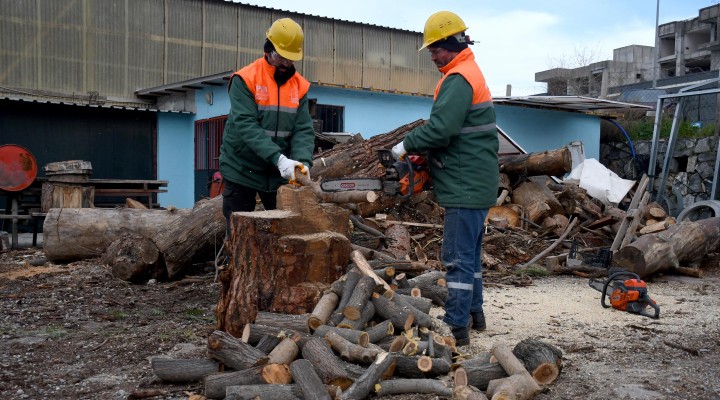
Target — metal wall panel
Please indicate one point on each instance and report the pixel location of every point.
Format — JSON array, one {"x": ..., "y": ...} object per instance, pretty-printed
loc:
[
  {"x": 319, "y": 50},
  {"x": 221, "y": 37},
  {"x": 348, "y": 54},
  {"x": 107, "y": 49},
  {"x": 62, "y": 46},
  {"x": 405, "y": 62},
  {"x": 253, "y": 23},
  {"x": 18, "y": 45},
  {"x": 428, "y": 74},
  {"x": 146, "y": 44},
  {"x": 376, "y": 57},
  {"x": 184, "y": 37}
]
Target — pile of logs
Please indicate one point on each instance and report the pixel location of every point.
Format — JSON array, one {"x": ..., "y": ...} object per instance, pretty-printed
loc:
[{"x": 363, "y": 337}]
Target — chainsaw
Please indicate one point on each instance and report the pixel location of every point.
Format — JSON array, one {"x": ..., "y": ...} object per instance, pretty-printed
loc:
[
  {"x": 626, "y": 294},
  {"x": 402, "y": 178}
]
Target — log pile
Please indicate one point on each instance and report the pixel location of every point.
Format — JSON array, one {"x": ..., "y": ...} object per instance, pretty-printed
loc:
[{"x": 385, "y": 343}]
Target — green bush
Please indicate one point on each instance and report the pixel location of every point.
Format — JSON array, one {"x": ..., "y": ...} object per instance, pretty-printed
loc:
[{"x": 642, "y": 129}]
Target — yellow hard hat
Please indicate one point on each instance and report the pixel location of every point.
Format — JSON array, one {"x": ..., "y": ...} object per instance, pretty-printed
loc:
[
  {"x": 440, "y": 25},
  {"x": 287, "y": 37}
]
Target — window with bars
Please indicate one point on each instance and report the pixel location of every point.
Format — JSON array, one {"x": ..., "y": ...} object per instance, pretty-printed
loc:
[
  {"x": 208, "y": 138},
  {"x": 332, "y": 117}
]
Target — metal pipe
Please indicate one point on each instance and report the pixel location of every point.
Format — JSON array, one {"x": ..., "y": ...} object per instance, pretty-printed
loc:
[
  {"x": 654, "y": 147},
  {"x": 657, "y": 44}
]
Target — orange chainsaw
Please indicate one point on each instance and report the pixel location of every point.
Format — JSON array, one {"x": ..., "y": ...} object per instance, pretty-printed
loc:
[
  {"x": 403, "y": 178},
  {"x": 626, "y": 294}
]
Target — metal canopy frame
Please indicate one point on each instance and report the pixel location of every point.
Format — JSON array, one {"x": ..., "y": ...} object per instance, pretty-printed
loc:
[{"x": 682, "y": 95}]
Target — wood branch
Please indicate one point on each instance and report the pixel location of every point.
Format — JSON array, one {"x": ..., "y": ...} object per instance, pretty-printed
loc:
[
  {"x": 216, "y": 384},
  {"x": 371, "y": 254},
  {"x": 298, "y": 323},
  {"x": 434, "y": 366},
  {"x": 366, "y": 383},
  {"x": 360, "y": 338},
  {"x": 380, "y": 331},
  {"x": 351, "y": 278},
  {"x": 407, "y": 367},
  {"x": 323, "y": 309},
  {"x": 360, "y": 296},
  {"x": 421, "y": 303},
  {"x": 252, "y": 333},
  {"x": 349, "y": 351},
  {"x": 328, "y": 366},
  {"x": 368, "y": 312},
  {"x": 233, "y": 352},
  {"x": 268, "y": 343},
  {"x": 420, "y": 318},
  {"x": 467, "y": 393},
  {"x": 366, "y": 269},
  {"x": 685, "y": 243},
  {"x": 542, "y": 360},
  {"x": 350, "y": 196},
  {"x": 405, "y": 386},
  {"x": 545, "y": 252},
  {"x": 402, "y": 281},
  {"x": 305, "y": 376},
  {"x": 275, "y": 392},
  {"x": 480, "y": 371},
  {"x": 402, "y": 319},
  {"x": 182, "y": 370}
]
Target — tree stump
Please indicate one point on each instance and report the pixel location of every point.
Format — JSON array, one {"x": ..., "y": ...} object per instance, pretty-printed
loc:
[{"x": 282, "y": 260}]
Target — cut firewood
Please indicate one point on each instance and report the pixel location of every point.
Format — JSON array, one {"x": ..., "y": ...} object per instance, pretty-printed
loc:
[
  {"x": 552, "y": 163},
  {"x": 268, "y": 343},
  {"x": 323, "y": 309},
  {"x": 328, "y": 366},
  {"x": 349, "y": 351},
  {"x": 285, "y": 352},
  {"x": 252, "y": 333},
  {"x": 398, "y": 238},
  {"x": 420, "y": 318},
  {"x": 655, "y": 227},
  {"x": 360, "y": 296},
  {"x": 216, "y": 384},
  {"x": 405, "y": 386},
  {"x": 532, "y": 194},
  {"x": 351, "y": 278},
  {"x": 467, "y": 393},
  {"x": 383, "y": 364},
  {"x": 351, "y": 196},
  {"x": 361, "y": 338},
  {"x": 233, "y": 352},
  {"x": 305, "y": 376},
  {"x": 519, "y": 385},
  {"x": 479, "y": 371},
  {"x": 366, "y": 269},
  {"x": 401, "y": 318},
  {"x": 297, "y": 323},
  {"x": 655, "y": 211},
  {"x": 542, "y": 360},
  {"x": 182, "y": 370},
  {"x": 380, "y": 331},
  {"x": 368, "y": 312},
  {"x": 275, "y": 392}
]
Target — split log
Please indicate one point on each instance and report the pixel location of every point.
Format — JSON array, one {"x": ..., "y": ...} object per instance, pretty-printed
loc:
[
  {"x": 503, "y": 213},
  {"x": 328, "y": 366},
  {"x": 655, "y": 227},
  {"x": 322, "y": 311},
  {"x": 542, "y": 360},
  {"x": 685, "y": 243},
  {"x": 305, "y": 376},
  {"x": 134, "y": 259},
  {"x": 532, "y": 194},
  {"x": 79, "y": 233},
  {"x": 552, "y": 163},
  {"x": 216, "y": 384},
  {"x": 557, "y": 223},
  {"x": 282, "y": 260},
  {"x": 519, "y": 385},
  {"x": 405, "y": 386},
  {"x": 275, "y": 392},
  {"x": 366, "y": 269},
  {"x": 361, "y": 388},
  {"x": 182, "y": 370},
  {"x": 349, "y": 351},
  {"x": 655, "y": 211},
  {"x": 298, "y": 323},
  {"x": 361, "y": 338},
  {"x": 234, "y": 353}
]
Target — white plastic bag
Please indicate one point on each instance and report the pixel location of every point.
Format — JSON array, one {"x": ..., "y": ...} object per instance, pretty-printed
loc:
[{"x": 600, "y": 182}]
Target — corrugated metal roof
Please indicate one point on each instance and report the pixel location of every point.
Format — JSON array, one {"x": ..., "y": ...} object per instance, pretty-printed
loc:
[
  {"x": 220, "y": 79},
  {"x": 567, "y": 103},
  {"x": 69, "y": 102}
]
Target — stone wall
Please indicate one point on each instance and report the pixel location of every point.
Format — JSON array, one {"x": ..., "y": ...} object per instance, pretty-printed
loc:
[{"x": 691, "y": 167}]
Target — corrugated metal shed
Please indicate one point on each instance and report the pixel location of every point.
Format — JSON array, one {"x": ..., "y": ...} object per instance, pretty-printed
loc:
[{"x": 567, "y": 103}]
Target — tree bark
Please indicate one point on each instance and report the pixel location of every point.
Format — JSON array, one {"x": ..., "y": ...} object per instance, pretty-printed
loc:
[
  {"x": 519, "y": 385},
  {"x": 542, "y": 360},
  {"x": 268, "y": 342},
  {"x": 401, "y": 318},
  {"x": 216, "y": 384},
  {"x": 233, "y": 352},
  {"x": 182, "y": 370},
  {"x": 297, "y": 323},
  {"x": 358, "y": 299},
  {"x": 380, "y": 331},
  {"x": 480, "y": 371},
  {"x": 398, "y": 238},
  {"x": 404, "y": 386},
  {"x": 328, "y": 365},
  {"x": 252, "y": 333},
  {"x": 274, "y": 392},
  {"x": 365, "y": 384},
  {"x": 322, "y": 311},
  {"x": 285, "y": 352},
  {"x": 134, "y": 259},
  {"x": 552, "y": 163},
  {"x": 79, "y": 233},
  {"x": 361, "y": 338},
  {"x": 305, "y": 376},
  {"x": 685, "y": 243},
  {"x": 349, "y": 351}
]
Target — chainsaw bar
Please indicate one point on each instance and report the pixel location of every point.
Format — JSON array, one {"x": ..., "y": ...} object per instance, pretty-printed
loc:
[{"x": 343, "y": 185}]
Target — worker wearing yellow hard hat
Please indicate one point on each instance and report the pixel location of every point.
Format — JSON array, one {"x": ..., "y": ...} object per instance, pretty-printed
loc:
[{"x": 461, "y": 140}]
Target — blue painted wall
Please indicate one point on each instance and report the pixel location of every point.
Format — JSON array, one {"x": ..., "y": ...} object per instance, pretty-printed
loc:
[
  {"x": 539, "y": 130},
  {"x": 368, "y": 113},
  {"x": 176, "y": 158}
]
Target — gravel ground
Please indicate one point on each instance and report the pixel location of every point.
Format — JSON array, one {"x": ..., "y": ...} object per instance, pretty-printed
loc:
[{"x": 73, "y": 331}]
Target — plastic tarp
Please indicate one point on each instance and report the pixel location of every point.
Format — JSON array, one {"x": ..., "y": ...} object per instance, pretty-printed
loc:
[{"x": 600, "y": 182}]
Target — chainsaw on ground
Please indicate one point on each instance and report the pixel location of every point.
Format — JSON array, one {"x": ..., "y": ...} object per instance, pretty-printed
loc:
[
  {"x": 402, "y": 178},
  {"x": 627, "y": 292}
]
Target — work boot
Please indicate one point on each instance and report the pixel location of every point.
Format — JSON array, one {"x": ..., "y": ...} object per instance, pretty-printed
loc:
[
  {"x": 462, "y": 338},
  {"x": 478, "y": 321}
]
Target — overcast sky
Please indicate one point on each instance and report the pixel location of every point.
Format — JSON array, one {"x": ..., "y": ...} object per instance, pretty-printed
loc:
[{"x": 517, "y": 38}]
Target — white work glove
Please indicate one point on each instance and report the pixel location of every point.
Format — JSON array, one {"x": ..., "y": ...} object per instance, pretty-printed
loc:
[
  {"x": 287, "y": 166},
  {"x": 399, "y": 151}
]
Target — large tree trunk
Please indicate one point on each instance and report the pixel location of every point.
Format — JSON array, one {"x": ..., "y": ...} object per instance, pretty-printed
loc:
[
  {"x": 282, "y": 260},
  {"x": 684, "y": 243},
  {"x": 552, "y": 162},
  {"x": 79, "y": 233}
]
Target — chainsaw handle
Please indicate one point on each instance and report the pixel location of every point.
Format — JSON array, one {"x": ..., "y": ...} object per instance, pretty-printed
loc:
[
  {"x": 610, "y": 279},
  {"x": 651, "y": 303}
]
